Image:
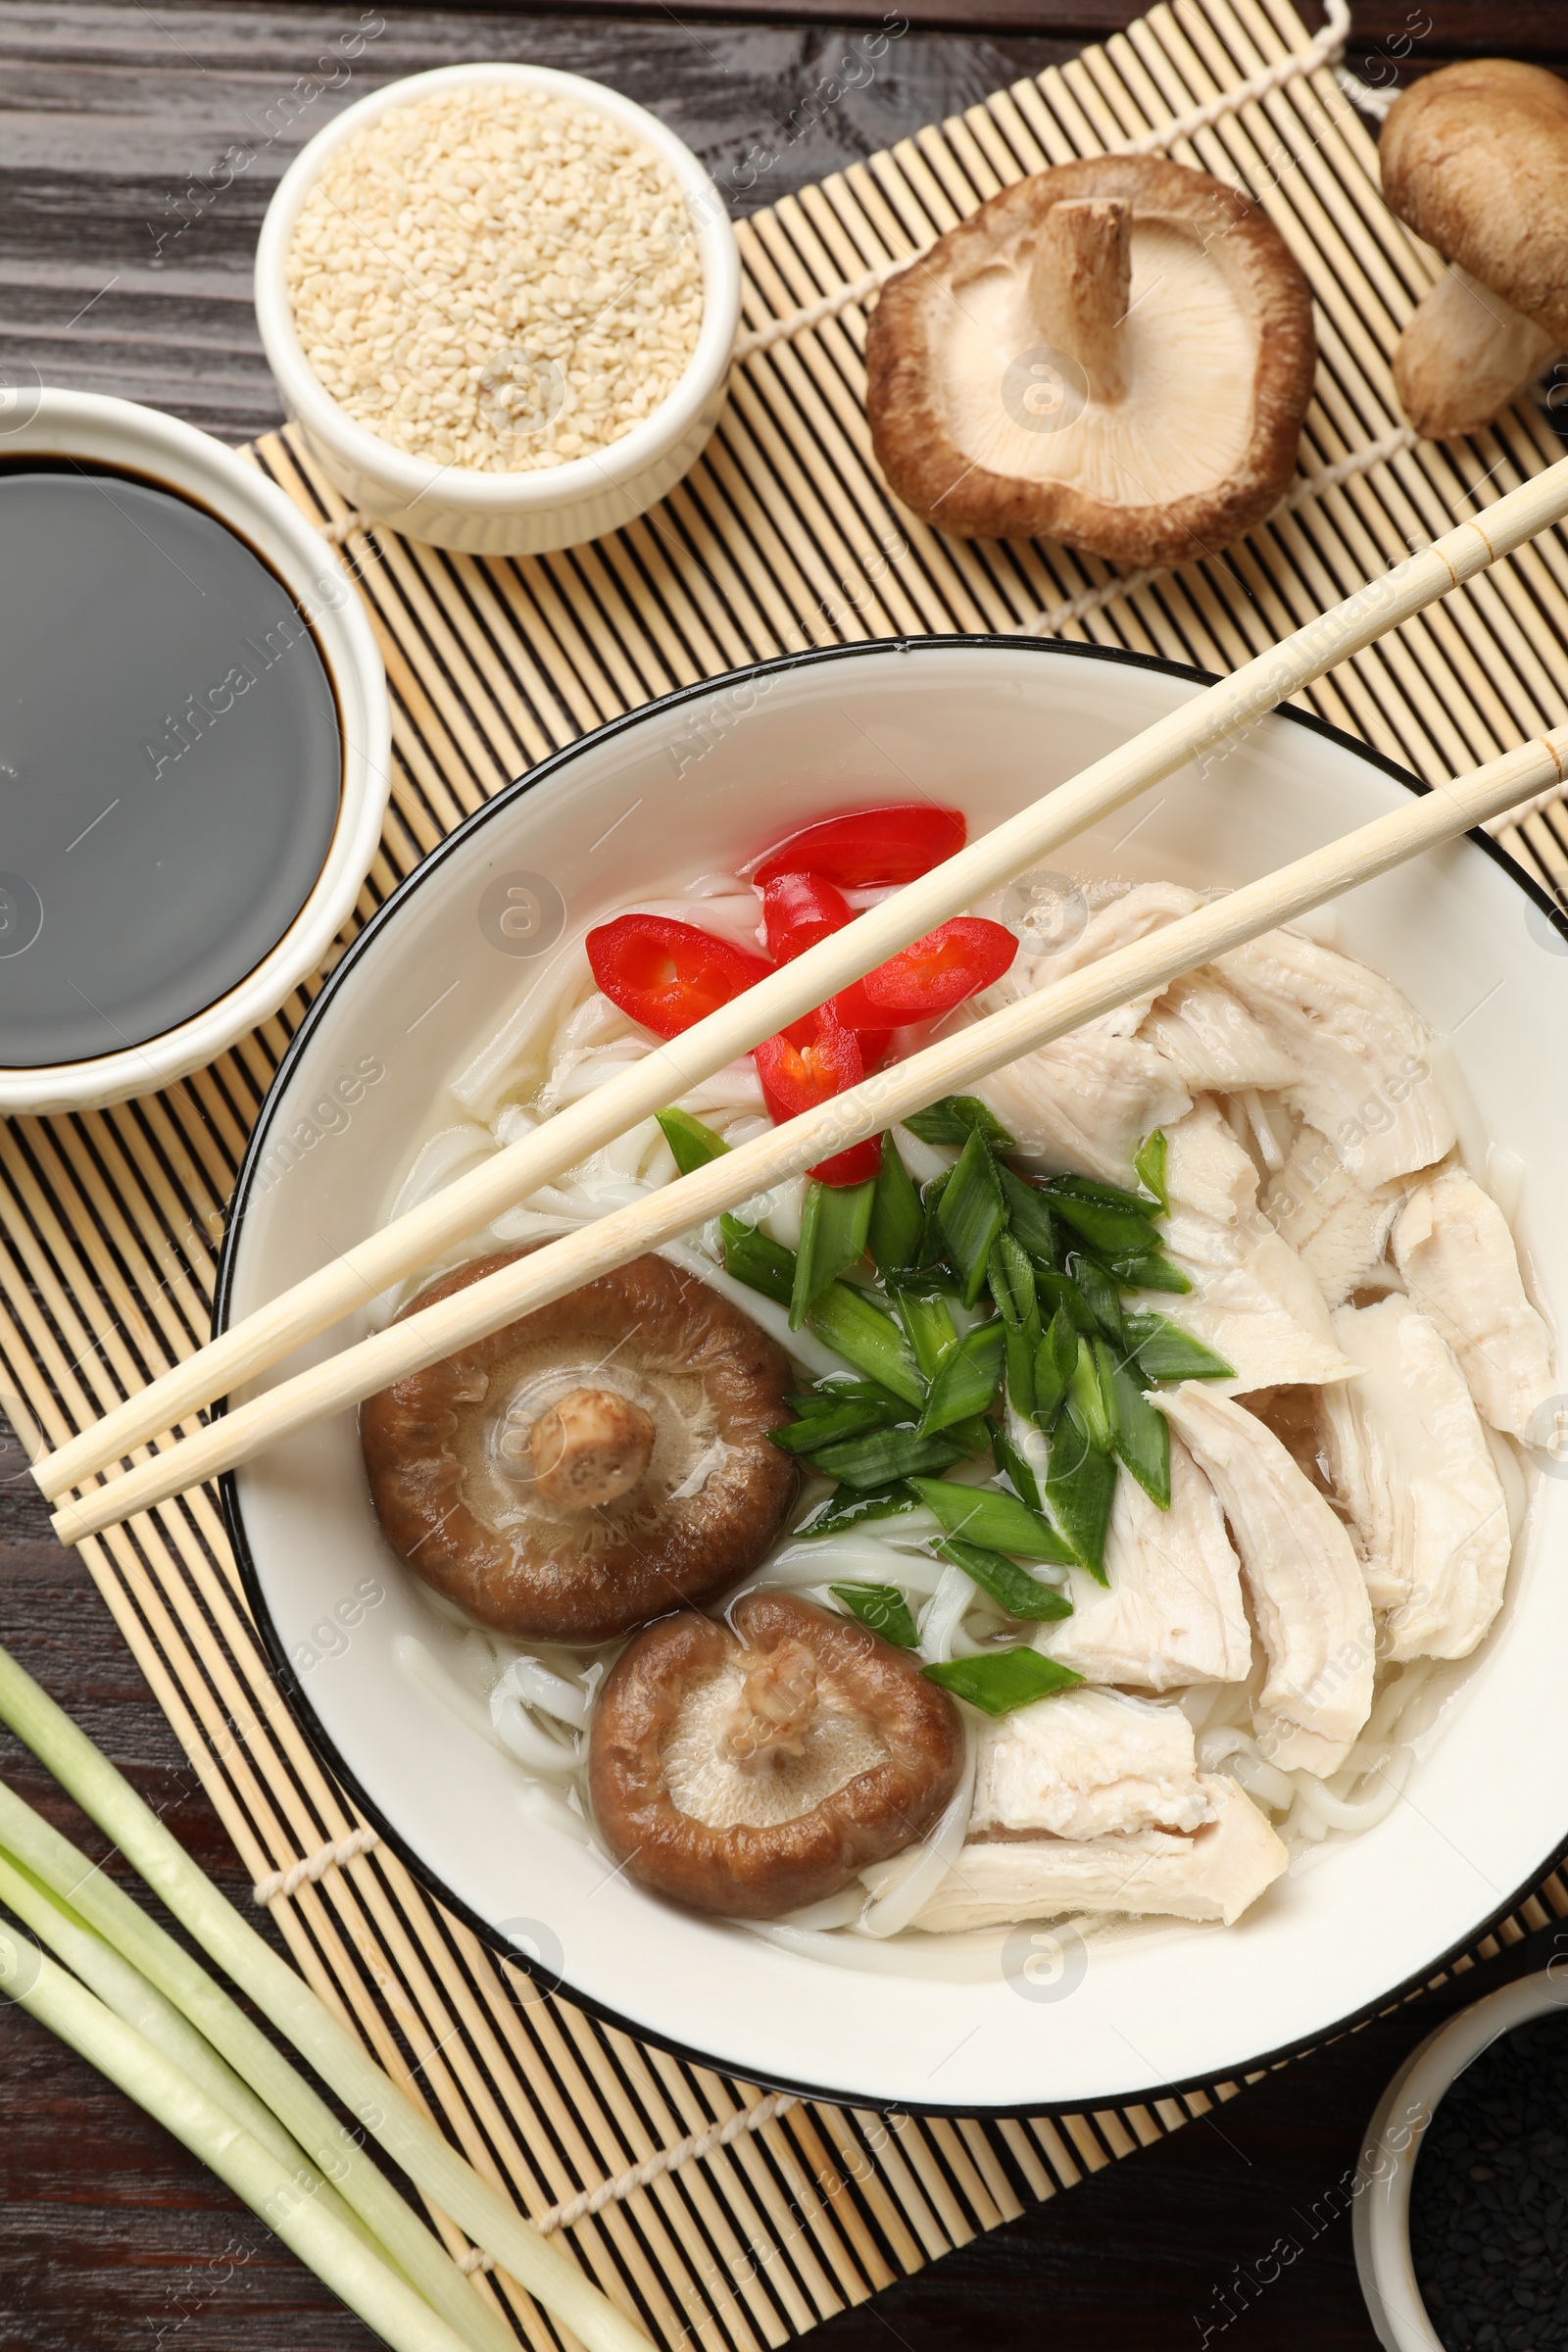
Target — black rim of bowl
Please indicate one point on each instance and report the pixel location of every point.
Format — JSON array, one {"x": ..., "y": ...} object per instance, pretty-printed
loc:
[{"x": 876, "y": 649}]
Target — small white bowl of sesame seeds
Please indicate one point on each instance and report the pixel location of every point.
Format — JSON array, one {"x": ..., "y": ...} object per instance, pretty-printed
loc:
[{"x": 501, "y": 302}]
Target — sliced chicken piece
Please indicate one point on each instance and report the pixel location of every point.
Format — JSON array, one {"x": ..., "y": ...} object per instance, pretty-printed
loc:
[
  {"x": 1410, "y": 1460},
  {"x": 1173, "y": 1612},
  {"x": 1087, "y": 1764},
  {"x": 1252, "y": 1300},
  {"x": 1452, "y": 1245},
  {"x": 1338, "y": 1229},
  {"x": 1362, "y": 1053},
  {"x": 1214, "y": 1045},
  {"x": 1215, "y": 1874},
  {"x": 1304, "y": 1581},
  {"x": 1086, "y": 1102}
]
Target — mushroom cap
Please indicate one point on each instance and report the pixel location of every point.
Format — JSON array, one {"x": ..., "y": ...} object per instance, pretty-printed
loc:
[
  {"x": 987, "y": 430},
  {"x": 1474, "y": 157},
  {"x": 456, "y": 1479},
  {"x": 687, "y": 1803}
]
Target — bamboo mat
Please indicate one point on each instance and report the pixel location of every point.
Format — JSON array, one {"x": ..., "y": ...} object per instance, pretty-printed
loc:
[{"x": 717, "y": 2214}]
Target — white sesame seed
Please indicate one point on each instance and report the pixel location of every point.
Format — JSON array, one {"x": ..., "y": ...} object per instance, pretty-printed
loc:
[{"x": 497, "y": 273}]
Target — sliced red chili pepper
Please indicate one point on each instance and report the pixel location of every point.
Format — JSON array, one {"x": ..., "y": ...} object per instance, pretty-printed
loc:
[
  {"x": 668, "y": 975},
  {"x": 799, "y": 909},
  {"x": 931, "y": 977},
  {"x": 810, "y": 1062},
  {"x": 869, "y": 846}
]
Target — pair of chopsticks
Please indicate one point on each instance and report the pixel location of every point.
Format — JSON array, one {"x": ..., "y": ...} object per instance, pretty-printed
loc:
[{"x": 399, "y": 1250}]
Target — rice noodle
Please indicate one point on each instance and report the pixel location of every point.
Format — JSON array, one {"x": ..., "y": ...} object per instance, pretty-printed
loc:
[
  {"x": 1316, "y": 1798},
  {"x": 900, "y": 1887}
]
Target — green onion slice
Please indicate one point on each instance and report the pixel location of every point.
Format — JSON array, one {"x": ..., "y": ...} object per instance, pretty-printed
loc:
[
  {"x": 1015, "y": 1468},
  {"x": 1149, "y": 1164},
  {"x": 834, "y": 1224},
  {"x": 955, "y": 1119},
  {"x": 752, "y": 1258},
  {"x": 971, "y": 1215},
  {"x": 1029, "y": 1216},
  {"x": 817, "y": 1429},
  {"x": 986, "y": 1515},
  {"x": 928, "y": 1320},
  {"x": 1003, "y": 1678},
  {"x": 897, "y": 1221},
  {"x": 883, "y": 1608},
  {"x": 1164, "y": 1352},
  {"x": 855, "y": 1507},
  {"x": 854, "y": 1326},
  {"x": 1099, "y": 1292},
  {"x": 1059, "y": 1293},
  {"x": 1080, "y": 1487},
  {"x": 966, "y": 1378},
  {"x": 1153, "y": 1273},
  {"x": 1140, "y": 1432},
  {"x": 693, "y": 1143},
  {"x": 885, "y": 1456},
  {"x": 1055, "y": 1359},
  {"x": 1011, "y": 1587}
]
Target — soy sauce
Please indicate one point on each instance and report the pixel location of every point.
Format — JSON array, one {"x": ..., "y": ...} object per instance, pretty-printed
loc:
[{"x": 169, "y": 762}]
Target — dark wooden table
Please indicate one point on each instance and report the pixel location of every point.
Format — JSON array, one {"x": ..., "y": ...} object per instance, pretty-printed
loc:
[{"x": 125, "y": 269}]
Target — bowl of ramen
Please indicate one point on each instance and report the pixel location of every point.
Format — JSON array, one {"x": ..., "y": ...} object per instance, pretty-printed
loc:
[
  {"x": 194, "y": 750},
  {"x": 1056, "y": 1603}
]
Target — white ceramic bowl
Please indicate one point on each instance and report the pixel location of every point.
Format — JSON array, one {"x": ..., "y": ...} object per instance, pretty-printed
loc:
[
  {"x": 991, "y": 724},
  {"x": 507, "y": 513},
  {"x": 1380, "y": 2223},
  {"x": 173, "y": 456}
]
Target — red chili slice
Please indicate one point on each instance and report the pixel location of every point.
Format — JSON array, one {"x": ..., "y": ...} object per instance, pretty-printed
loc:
[
  {"x": 810, "y": 1062},
  {"x": 869, "y": 846},
  {"x": 799, "y": 909},
  {"x": 667, "y": 974},
  {"x": 931, "y": 977}
]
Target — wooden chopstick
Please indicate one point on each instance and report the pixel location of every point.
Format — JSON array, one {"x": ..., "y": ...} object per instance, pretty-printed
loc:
[
  {"x": 956, "y": 1061},
  {"x": 400, "y": 1249}
]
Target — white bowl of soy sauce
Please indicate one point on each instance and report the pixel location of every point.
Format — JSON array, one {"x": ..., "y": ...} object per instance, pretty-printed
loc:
[{"x": 194, "y": 750}]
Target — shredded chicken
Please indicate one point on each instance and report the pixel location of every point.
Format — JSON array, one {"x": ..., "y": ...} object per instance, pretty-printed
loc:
[
  {"x": 1252, "y": 1300},
  {"x": 1362, "y": 1053},
  {"x": 1305, "y": 1585},
  {"x": 1214, "y": 1045},
  {"x": 1087, "y": 1764},
  {"x": 1173, "y": 1610},
  {"x": 1411, "y": 1462},
  {"x": 1452, "y": 1245},
  {"x": 1338, "y": 1230},
  {"x": 1215, "y": 1874}
]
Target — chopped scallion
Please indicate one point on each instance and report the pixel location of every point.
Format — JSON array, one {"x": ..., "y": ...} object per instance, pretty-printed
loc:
[
  {"x": 1164, "y": 1352},
  {"x": 986, "y": 1515},
  {"x": 854, "y": 1506},
  {"x": 897, "y": 1221},
  {"x": 885, "y": 1456},
  {"x": 971, "y": 1215},
  {"x": 883, "y": 1608},
  {"x": 1054, "y": 1362},
  {"x": 1080, "y": 1487},
  {"x": 1087, "y": 1403},
  {"x": 817, "y": 1429},
  {"x": 966, "y": 1378},
  {"x": 1099, "y": 1292},
  {"x": 1029, "y": 1216},
  {"x": 693, "y": 1143},
  {"x": 1154, "y": 1272},
  {"x": 1023, "y": 1345},
  {"x": 1003, "y": 1678},
  {"x": 928, "y": 1320},
  {"x": 1012, "y": 1466},
  {"x": 1010, "y": 1586},
  {"x": 1060, "y": 1294},
  {"x": 955, "y": 1119},
  {"x": 1149, "y": 1165},
  {"x": 1011, "y": 1279},
  {"x": 1111, "y": 1232},
  {"x": 848, "y": 1321},
  {"x": 1139, "y": 1433},
  {"x": 752, "y": 1258},
  {"x": 834, "y": 1224}
]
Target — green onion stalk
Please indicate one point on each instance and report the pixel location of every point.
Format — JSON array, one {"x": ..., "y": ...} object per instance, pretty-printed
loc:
[
  {"x": 383, "y": 2111},
  {"x": 301, "y": 2218}
]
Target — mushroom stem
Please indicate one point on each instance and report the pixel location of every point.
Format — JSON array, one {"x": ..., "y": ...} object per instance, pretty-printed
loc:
[
  {"x": 590, "y": 1448},
  {"x": 777, "y": 1707},
  {"x": 1080, "y": 282},
  {"x": 1464, "y": 356}
]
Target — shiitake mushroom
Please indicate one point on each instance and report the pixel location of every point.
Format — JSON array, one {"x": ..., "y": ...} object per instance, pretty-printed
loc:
[
  {"x": 751, "y": 1768},
  {"x": 592, "y": 1465}
]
